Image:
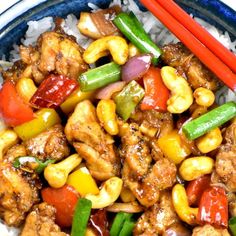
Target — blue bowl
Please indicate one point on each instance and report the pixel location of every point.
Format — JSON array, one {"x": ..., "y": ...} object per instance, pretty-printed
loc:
[{"x": 212, "y": 11}]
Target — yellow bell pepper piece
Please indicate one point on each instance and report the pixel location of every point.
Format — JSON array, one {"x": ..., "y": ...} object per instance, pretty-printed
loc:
[
  {"x": 173, "y": 147},
  {"x": 26, "y": 88},
  {"x": 83, "y": 182},
  {"x": 77, "y": 96},
  {"x": 45, "y": 118}
]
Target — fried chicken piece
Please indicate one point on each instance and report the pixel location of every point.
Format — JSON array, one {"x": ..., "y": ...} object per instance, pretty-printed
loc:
[
  {"x": 50, "y": 144},
  {"x": 143, "y": 179},
  {"x": 98, "y": 24},
  {"x": 232, "y": 204},
  {"x": 162, "y": 121},
  {"x": 91, "y": 142},
  {"x": 41, "y": 222},
  {"x": 12, "y": 153},
  {"x": 157, "y": 218},
  {"x": 55, "y": 52},
  {"x": 18, "y": 193},
  {"x": 208, "y": 230},
  {"x": 225, "y": 165},
  {"x": 17, "y": 71},
  {"x": 198, "y": 75}
]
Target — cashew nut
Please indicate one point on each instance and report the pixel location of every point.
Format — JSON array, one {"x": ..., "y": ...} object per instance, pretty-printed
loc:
[
  {"x": 106, "y": 112},
  {"x": 127, "y": 195},
  {"x": 210, "y": 141},
  {"x": 108, "y": 194},
  {"x": 194, "y": 167},
  {"x": 181, "y": 93},
  {"x": 117, "y": 46},
  {"x": 180, "y": 202},
  {"x": 204, "y": 97},
  {"x": 56, "y": 174},
  {"x": 133, "y": 50},
  {"x": 7, "y": 139}
]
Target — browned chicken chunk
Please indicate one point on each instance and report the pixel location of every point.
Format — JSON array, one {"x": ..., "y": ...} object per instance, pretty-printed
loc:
[
  {"x": 41, "y": 222},
  {"x": 99, "y": 23},
  {"x": 178, "y": 56},
  {"x": 17, "y": 71},
  {"x": 143, "y": 179},
  {"x": 18, "y": 193},
  {"x": 12, "y": 153},
  {"x": 232, "y": 204},
  {"x": 208, "y": 230},
  {"x": 225, "y": 165},
  {"x": 91, "y": 142},
  {"x": 50, "y": 144},
  {"x": 55, "y": 52},
  {"x": 161, "y": 121},
  {"x": 158, "y": 218}
]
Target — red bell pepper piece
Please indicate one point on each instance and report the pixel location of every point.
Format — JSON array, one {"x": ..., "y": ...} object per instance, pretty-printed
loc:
[
  {"x": 53, "y": 91},
  {"x": 99, "y": 223},
  {"x": 156, "y": 93},
  {"x": 64, "y": 199},
  {"x": 195, "y": 189},
  {"x": 213, "y": 207},
  {"x": 13, "y": 109}
]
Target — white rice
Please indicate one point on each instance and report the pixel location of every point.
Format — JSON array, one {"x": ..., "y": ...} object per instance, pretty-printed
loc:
[
  {"x": 8, "y": 231},
  {"x": 154, "y": 27}
]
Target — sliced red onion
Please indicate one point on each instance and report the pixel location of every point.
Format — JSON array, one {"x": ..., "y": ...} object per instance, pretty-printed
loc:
[
  {"x": 106, "y": 92},
  {"x": 136, "y": 67}
]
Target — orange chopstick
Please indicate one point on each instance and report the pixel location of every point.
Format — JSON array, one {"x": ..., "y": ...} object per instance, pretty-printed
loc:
[
  {"x": 203, "y": 53},
  {"x": 200, "y": 33}
]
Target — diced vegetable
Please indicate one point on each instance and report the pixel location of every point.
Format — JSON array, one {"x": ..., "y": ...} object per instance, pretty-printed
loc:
[
  {"x": 45, "y": 118},
  {"x": 128, "y": 99},
  {"x": 127, "y": 228},
  {"x": 81, "y": 217},
  {"x": 98, "y": 222},
  {"x": 53, "y": 91},
  {"x": 109, "y": 90},
  {"x": 26, "y": 88},
  {"x": 13, "y": 109},
  {"x": 83, "y": 182},
  {"x": 77, "y": 96},
  {"x": 210, "y": 120},
  {"x": 64, "y": 200},
  {"x": 156, "y": 93},
  {"x": 213, "y": 207},
  {"x": 118, "y": 222},
  {"x": 99, "y": 77},
  {"x": 136, "y": 67},
  {"x": 178, "y": 151},
  {"x": 196, "y": 187},
  {"x": 232, "y": 225},
  {"x": 31, "y": 162},
  {"x": 129, "y": 25}
]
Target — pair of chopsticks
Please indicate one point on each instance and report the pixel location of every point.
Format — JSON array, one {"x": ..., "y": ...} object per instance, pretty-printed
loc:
[{"x": 210, "y": 52}]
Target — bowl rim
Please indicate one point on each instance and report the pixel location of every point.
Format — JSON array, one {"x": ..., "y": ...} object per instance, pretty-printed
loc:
[{"x": 223, "y": 17}]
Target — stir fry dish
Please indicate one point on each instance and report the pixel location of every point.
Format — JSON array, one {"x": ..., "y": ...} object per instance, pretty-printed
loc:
[{"x": 121, "y": 138}]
